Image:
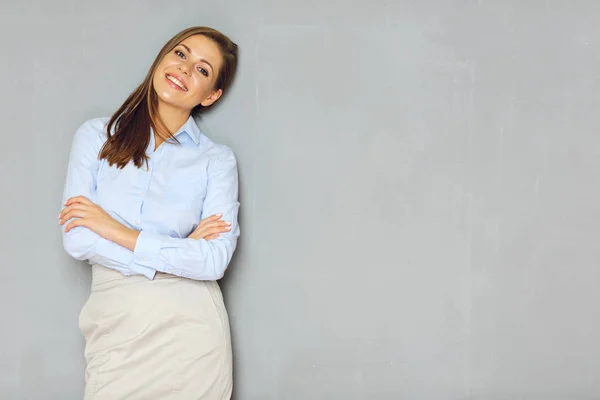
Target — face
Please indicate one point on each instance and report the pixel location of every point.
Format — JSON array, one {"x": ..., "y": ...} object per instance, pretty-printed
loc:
[{"x": 186, "y": 76}]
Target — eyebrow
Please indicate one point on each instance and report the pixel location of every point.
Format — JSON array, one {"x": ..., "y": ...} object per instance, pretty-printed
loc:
[{"x": 202, "y": 59}]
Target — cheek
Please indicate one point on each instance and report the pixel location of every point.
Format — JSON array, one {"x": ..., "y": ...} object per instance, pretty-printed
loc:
[
  {"x": 199, "y": 89},
  {"x": 159, "y": 73},
  {"x": 161, "y": 88},
  {"x": 155, "y": 82},
  {"x": 158, "y": 79}
]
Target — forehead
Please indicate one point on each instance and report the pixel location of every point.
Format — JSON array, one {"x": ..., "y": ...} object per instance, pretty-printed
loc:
[{"x": 203, "y": 47}]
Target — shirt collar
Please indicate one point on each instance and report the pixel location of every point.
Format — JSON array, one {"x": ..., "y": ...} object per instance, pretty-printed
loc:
[{"x": 191, "y": 128}]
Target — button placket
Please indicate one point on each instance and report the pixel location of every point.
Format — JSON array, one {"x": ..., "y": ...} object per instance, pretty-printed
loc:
[{"x": 148, "y": 178}]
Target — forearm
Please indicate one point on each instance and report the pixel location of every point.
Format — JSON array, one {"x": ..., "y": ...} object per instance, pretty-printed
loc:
[
  {"x": 84, "y": 244},
  {"x": 124, "y": 236},
  {"x": 80, "y": 243},
  {"x": 189, "y": 258}
]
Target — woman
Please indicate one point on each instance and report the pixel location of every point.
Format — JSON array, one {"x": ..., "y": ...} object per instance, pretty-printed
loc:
[{"x": 152, "y": 204}]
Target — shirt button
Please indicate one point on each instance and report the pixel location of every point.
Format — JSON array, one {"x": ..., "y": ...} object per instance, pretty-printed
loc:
[
  {"x": 142, "y": 193},
  {"x": 137, "y": 222}
]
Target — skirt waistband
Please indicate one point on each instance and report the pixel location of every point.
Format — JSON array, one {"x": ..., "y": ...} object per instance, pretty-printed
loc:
[{"x": 104, "y": 277}]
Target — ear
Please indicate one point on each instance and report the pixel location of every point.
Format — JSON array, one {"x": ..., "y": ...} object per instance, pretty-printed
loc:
[{"x": 212, "y": 98}]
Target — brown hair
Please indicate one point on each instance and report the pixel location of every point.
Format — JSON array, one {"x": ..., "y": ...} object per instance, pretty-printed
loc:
[{"x": 133, "y": 120}]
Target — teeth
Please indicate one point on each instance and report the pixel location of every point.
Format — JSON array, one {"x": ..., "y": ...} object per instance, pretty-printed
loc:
[{"x": 176, "y": 81}]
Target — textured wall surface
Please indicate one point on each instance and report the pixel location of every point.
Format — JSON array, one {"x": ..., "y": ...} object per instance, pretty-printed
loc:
[{"x": 419, "y": 188}]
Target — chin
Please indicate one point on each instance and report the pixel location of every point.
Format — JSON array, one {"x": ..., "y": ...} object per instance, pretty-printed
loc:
[{"x": 172, "y": 103}]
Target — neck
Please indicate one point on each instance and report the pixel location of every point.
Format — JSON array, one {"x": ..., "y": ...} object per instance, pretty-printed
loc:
[{"x": 173, "y": 117}]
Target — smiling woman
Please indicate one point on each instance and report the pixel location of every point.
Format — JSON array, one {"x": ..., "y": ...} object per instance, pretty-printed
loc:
[{"x": 152, "y": 204}]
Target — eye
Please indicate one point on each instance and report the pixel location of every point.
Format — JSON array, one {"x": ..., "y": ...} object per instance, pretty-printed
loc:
[
  {"x": 203, "y": 71},
  {"x": 179, "y": 53}
]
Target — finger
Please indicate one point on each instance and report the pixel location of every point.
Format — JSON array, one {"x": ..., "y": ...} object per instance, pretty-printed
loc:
[
  {"x": 74, "y": 206},
  {"x": 218, "y": 225},
  {"x": 74, "y": 223},
  {"x": 78, "y": 199},
  {"x": 198, "y": 235},
  {"x": 212, "y": 237},
  {"x": 214, "y": 217},
  {"x": 211, "y": 230},
  {"x": 73, "y": 214},
  {"x": 208, "y": 221},
  {"x": 218, "y": 229},
  {"x": 207, "y": 231}
]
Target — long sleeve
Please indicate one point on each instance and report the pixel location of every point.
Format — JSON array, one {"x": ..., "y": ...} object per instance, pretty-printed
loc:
[
  {"x": 82, "y": 243},
  {"x": 197, "y": 258}
]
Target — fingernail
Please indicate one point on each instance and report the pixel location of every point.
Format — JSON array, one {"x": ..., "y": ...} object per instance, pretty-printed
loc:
[
  {"x": 219, "y": 215},
  {"x": 228, "y": 223}
]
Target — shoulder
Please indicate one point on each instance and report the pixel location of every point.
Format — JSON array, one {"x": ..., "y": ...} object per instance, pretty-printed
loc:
[
  {"x": 92, "y": 132},
  {"x": 218, "y": 153}
]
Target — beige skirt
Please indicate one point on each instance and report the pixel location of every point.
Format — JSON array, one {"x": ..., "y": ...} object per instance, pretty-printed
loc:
[{"x": 160, "y": 339}]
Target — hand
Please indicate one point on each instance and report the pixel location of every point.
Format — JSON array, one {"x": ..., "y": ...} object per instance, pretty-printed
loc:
[
  {"x": 210, "y": 228},
  {"x": 86, "y": 213}
]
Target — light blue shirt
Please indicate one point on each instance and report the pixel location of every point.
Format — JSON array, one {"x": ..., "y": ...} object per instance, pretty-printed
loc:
[{"x": 183, "y": 184}]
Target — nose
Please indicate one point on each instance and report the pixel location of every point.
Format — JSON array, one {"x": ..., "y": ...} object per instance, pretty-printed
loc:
[{"x": 184, "y": 68}]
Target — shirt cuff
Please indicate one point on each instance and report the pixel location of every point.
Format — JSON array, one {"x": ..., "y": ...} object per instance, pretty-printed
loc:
[
  {"x": 118, "y": 254},
  {"x": 146, "y": 251}
]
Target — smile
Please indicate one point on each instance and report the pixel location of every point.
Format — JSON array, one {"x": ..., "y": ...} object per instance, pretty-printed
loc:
[{"x": 176, "y": 82}]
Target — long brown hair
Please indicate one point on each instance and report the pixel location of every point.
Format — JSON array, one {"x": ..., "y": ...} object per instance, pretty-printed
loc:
[{"x": 133, "y": 120}]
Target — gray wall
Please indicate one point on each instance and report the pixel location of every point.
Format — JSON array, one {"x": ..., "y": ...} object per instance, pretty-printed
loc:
[{"x": 420, "y": 191}]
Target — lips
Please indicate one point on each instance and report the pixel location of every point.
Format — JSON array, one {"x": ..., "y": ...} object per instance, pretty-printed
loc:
[{"x": 176, "y": 82}]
